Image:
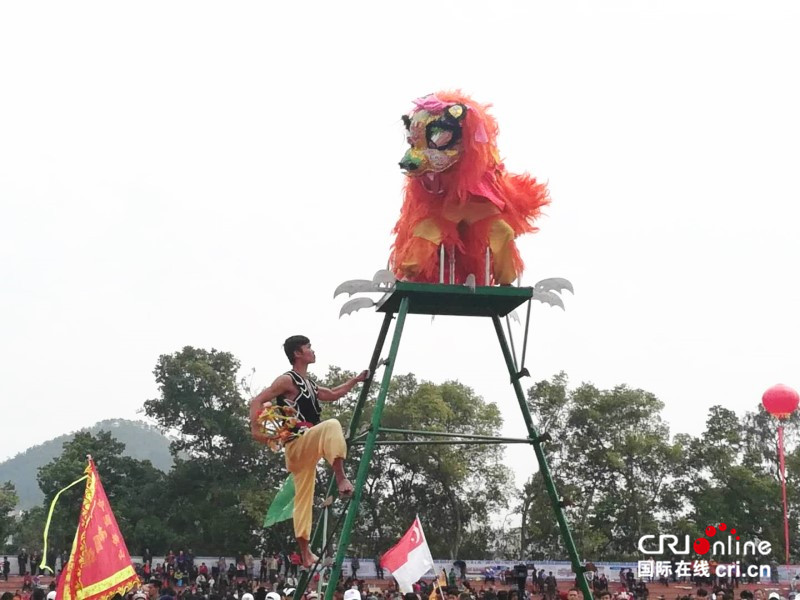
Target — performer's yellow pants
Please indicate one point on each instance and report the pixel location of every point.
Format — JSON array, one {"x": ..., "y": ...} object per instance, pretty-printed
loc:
[{"x": 323, "y": 440}]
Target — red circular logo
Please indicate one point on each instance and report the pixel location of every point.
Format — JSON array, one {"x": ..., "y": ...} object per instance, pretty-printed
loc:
[{"x": 701, "y": 545}]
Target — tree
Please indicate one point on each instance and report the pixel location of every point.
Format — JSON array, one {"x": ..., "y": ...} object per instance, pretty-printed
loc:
[
  {"x": 8, "y": 501},
  {"x": 215, "y": 492},
  {"x": 29, "y": 527},
  {"x": 611, "y": 457},
  {"x": 733, "y": 476},
  {"x": 201, "y": 403}
]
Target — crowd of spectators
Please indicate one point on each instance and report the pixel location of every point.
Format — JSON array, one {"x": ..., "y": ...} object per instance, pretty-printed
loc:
[{"x": 275, "y": 576}]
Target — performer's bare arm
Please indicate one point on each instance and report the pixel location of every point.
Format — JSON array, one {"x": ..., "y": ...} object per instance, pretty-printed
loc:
[
  {"x": 282, "y": 386},
  {"x": 331, "y": 395}
]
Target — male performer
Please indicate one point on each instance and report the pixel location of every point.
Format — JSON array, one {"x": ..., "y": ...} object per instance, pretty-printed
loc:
[{"x": 314, "y": 439}]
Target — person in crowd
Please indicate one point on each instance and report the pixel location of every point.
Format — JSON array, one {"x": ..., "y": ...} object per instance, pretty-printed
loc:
[{"x": 550, "y": 586}]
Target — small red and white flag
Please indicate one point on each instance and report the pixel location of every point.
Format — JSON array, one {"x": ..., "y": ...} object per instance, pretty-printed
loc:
[{"x": 409, "y": 559}]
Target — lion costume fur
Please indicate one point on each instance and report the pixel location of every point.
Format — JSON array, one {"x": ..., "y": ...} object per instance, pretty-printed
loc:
[{"x": 458, "y": 193}]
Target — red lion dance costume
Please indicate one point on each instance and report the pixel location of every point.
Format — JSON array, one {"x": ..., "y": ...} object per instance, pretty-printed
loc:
[{"x": 459, "y": 194}]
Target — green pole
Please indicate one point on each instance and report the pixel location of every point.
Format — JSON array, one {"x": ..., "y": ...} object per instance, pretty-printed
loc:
[
  {"x": 366, "y": 457},
  {"x": 320, "y": 533},
  {"x": 543, "y": 466}
]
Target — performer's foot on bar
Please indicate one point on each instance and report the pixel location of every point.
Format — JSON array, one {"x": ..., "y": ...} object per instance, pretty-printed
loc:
[
  {"x": 345, "y": 489},
  {"x": 344, "y": 485},
  {"x": 309, "y": 559}
]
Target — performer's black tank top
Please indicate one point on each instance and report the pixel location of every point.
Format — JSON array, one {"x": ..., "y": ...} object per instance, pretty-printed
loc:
[{"x": 306, "y": 403}]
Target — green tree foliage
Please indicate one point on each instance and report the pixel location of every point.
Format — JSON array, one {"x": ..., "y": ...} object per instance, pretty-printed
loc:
[
  {"x": 733, "y": 473},
  {"x": 201, "y": 402},
  {"x": 29, "y": 527},
  {"x": 216, "y": 497},
  {"x": 8, "y": 500},
  {"x": 611, "y": 458}
]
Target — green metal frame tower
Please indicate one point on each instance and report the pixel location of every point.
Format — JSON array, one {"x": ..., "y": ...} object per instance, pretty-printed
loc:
[{"x": 439, "y": 299}]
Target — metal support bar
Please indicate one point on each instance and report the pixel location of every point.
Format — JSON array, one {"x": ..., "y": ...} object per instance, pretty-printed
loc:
[
  {"x": 446, "y": 434},
  {"x": 360, "y": 436},
  {"x": 366, "y": 457},
  {"x": 544, "y": 468},
  {"x": 441, "y": 263},
  {"x": 511, "y": 343},
  {"x": 525, "y": 339},
  {"x": 487, "y": 272},
  {"x": 449, "y": 441},
  {"x": 374, "y": 361}
]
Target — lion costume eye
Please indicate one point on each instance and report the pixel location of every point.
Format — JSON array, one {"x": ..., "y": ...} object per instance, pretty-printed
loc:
[
  {"x": 442, "y": 135},
  {"x": 439, "y": 138}
]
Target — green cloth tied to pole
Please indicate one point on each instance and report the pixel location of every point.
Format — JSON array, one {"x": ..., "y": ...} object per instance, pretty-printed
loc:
[{"x": 282, "y": 505}]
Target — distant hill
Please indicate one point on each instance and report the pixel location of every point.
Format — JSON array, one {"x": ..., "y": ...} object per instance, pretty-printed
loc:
[{"x": 142, "y": 441}]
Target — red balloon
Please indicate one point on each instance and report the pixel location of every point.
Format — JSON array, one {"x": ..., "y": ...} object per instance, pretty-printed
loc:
[{"x": 780, "y": 401}]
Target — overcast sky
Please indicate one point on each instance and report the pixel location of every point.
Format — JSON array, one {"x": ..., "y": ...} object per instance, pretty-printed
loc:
[{"x": 197, "y": 173}]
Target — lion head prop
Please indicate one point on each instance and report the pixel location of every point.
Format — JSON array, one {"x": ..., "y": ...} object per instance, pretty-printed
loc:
[{"x": 459, "y": 194}]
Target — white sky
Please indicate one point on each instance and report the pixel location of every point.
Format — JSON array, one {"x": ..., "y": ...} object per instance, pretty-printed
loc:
[{"x": 196, "y": 173}]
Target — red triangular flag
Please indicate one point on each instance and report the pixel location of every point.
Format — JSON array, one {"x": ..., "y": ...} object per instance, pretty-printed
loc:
[{"x": 99, "y": 565}]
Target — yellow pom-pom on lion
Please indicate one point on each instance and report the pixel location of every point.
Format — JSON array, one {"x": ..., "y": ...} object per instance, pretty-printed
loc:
[{"x": 459, "y": 194}]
